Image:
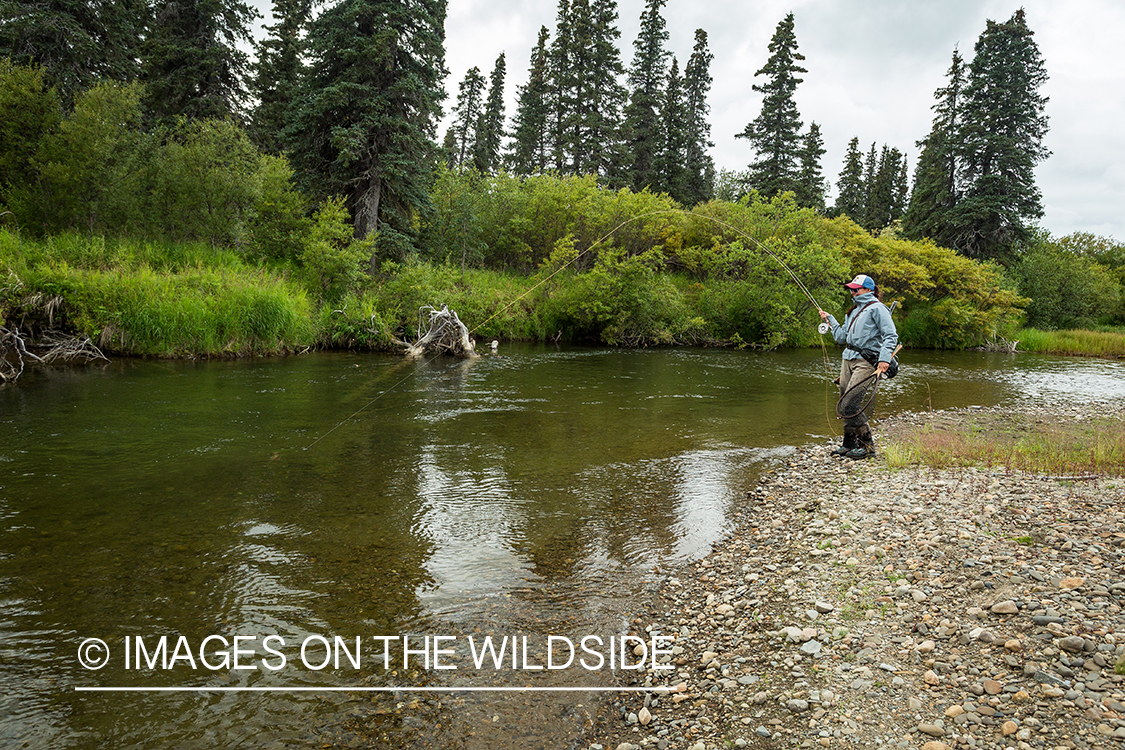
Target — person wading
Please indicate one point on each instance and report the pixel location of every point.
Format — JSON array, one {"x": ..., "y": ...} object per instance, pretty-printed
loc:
[{"x": 869, "y": 335}]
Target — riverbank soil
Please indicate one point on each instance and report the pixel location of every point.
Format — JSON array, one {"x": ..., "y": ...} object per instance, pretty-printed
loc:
[{"x": 856, "y": 606}]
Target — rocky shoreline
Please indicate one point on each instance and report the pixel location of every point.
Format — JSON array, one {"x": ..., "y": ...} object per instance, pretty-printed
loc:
[{"x": 858, "y": 607}]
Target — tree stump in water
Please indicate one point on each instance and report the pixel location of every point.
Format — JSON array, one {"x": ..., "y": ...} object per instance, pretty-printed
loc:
[{"x": 444, "y": 332}]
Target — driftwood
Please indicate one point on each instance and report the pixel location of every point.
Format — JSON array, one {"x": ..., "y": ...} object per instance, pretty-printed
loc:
[
  {"x": 67, "y": 348},
  {"x": 61, "y": 347},
  {"x": 443, "y": 332},
  {"x": 13, "y": 352}
]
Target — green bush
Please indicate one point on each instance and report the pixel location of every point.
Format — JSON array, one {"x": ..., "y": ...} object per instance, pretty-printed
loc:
[
  {"x": 331, "y": 259},
  {"x": 1066, "y": 290},
  {"x": 29, "y": 112},
  {"x": 948, "y": 300},
  {"x": 356, "y": 324},
  {"x": 88, "y": 166},
  {"x": 132, "y": 308}
]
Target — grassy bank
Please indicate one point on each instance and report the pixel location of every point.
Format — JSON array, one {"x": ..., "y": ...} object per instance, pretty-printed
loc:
[
  {"x": 149, "y": 299},
  {"x": 1058, "y": 446},
  {"x": 1100, "y": 343}
]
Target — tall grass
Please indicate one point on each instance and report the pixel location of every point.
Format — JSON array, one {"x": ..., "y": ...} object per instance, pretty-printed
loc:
[
  {"x": 1105, "y": 343},
  {"x": 100, "y": 253},
  {"x": 195, "y": 311},
  {"x": 192, "y": 301},
  {"x": 1066, "y": 448}
]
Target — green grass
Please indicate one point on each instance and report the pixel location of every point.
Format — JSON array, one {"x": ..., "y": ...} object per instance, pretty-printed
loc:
[
  {"x": 1108, "y": 342},
  {"x": 1062, "y": 449},
  {"x": 197, "y": 302}
]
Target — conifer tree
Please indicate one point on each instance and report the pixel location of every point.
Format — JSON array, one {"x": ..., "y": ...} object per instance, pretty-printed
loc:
[
  {"x": 560, "y": 88},
  {"x": 193, "y": 66},
  {"x": 881, "y": 193},
  {"x": 900, "y": 191},
  {"x": 775, "y": 136},
  {"x": 605, "y": 93},
  {"x": 490, "y": 128},
  {"x": 467, "y": 117},
  {"x": 647, "y": 77},
  {"x": 870, "y": 169},
  {"x": 669, "y": 165},
  {"x": 528, "y": 152},
  {"x": 810, "y": 181},
  {"x": 366, "y": 120},
  {"x": 449, "y": 148},
  {"x": 75, "y": 42},
  {"x": 699, "y": 168},
  {"x": 1001, "y": 141},
  {"x": 928, "y": 213},
  {"x": 851, "y": 195},
  {"x": 278, "y": 72}
]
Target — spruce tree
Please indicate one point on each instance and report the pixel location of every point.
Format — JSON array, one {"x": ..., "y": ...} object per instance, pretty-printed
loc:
[
  {"x": 576, "y": 86},
  {"x": 699, "y": 168},
  {"x": 76, "y": 42},
  {"x": 490, "y": 127},
  {"x": 193, "y": 66},
  {"x": 647, "y": 77},
  {"x": 870, "y": 169},
  {"x": 775, "y": 136},
  {"x": 929, "y": 211},
  {"x": 528, "y": 152},
  {"x": 560, "y": 88},
  {"x": 1001, "y": 141},
  {"x": 466, "y": 117},
  {"x": 900, "y": 190},
  {"x": 810, "y": 181},
  {"x": 669, "y": 164},
  {"x": 851, "y": 195},
  {"x": 605, "y": 93},
  {"x": 278, "y": 72},
  {"x": 366, "y": 120},
  {"x": 881, "y": 210}
]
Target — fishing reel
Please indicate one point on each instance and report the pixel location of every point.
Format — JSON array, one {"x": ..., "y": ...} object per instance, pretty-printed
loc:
[{"x": 823, "y": 328}]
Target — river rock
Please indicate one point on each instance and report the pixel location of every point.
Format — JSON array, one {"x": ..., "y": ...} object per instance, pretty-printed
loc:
[
  {"x": 1004, "y": 608},
  {"x": 931, "y": 729}
]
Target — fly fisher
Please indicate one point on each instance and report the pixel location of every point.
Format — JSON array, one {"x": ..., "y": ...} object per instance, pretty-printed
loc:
[{"x": 870, "y": 339}]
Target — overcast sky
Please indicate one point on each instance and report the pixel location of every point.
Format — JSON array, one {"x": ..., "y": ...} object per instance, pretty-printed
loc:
[{"x": 873, "y": 66}]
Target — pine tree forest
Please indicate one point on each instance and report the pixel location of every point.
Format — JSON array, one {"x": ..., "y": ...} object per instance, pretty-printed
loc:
[{"x": 350, "y": 94}]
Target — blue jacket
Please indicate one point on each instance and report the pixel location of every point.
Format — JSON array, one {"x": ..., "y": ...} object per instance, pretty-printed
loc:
[{"x": 872, "y": 329}]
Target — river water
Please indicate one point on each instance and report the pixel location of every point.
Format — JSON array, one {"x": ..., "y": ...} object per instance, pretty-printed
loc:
[{"x": 536, "y": 493}]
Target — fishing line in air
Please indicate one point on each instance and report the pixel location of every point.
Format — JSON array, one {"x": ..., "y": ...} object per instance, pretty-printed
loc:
[{"x": 596, "y": 243}]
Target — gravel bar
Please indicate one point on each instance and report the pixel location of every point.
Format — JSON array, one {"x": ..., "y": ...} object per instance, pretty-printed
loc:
[{"x": 856, "y": 607}]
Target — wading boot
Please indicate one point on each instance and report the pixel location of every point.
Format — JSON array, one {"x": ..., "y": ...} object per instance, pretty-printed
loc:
[
  {"x": 850, "y": 443},
  {"x": 865, "y": 444}
]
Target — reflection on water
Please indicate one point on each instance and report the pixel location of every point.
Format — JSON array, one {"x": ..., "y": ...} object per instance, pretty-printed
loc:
[{"x": 529, "y": 493}]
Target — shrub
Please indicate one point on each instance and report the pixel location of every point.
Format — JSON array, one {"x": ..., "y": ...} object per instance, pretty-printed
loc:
[
  {"x": 331, "y": 259},
  {"x": 1068, "y": 289},
  {"x": 948, "y": 301}
]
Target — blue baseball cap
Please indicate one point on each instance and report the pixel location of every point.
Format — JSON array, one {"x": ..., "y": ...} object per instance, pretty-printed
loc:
[{"x": 861, "y": 282}]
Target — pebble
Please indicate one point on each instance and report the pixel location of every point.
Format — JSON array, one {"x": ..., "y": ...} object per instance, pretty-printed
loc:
[{"x": 856, "y": 607}]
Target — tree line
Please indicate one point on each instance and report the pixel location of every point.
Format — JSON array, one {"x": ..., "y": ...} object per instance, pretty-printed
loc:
[
  {"x": 576, "y": 116},
  {"x": 352, "y": 97}
]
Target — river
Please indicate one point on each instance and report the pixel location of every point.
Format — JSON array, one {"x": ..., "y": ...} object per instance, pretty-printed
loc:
[{"x": 334, "y": 496}]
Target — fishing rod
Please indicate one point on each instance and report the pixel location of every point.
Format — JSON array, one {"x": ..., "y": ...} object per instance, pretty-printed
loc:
[{"x": 596, "y": 243}]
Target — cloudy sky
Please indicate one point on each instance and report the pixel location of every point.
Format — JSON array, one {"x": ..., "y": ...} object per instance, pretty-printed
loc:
[{"x": 873, "y": 66}]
